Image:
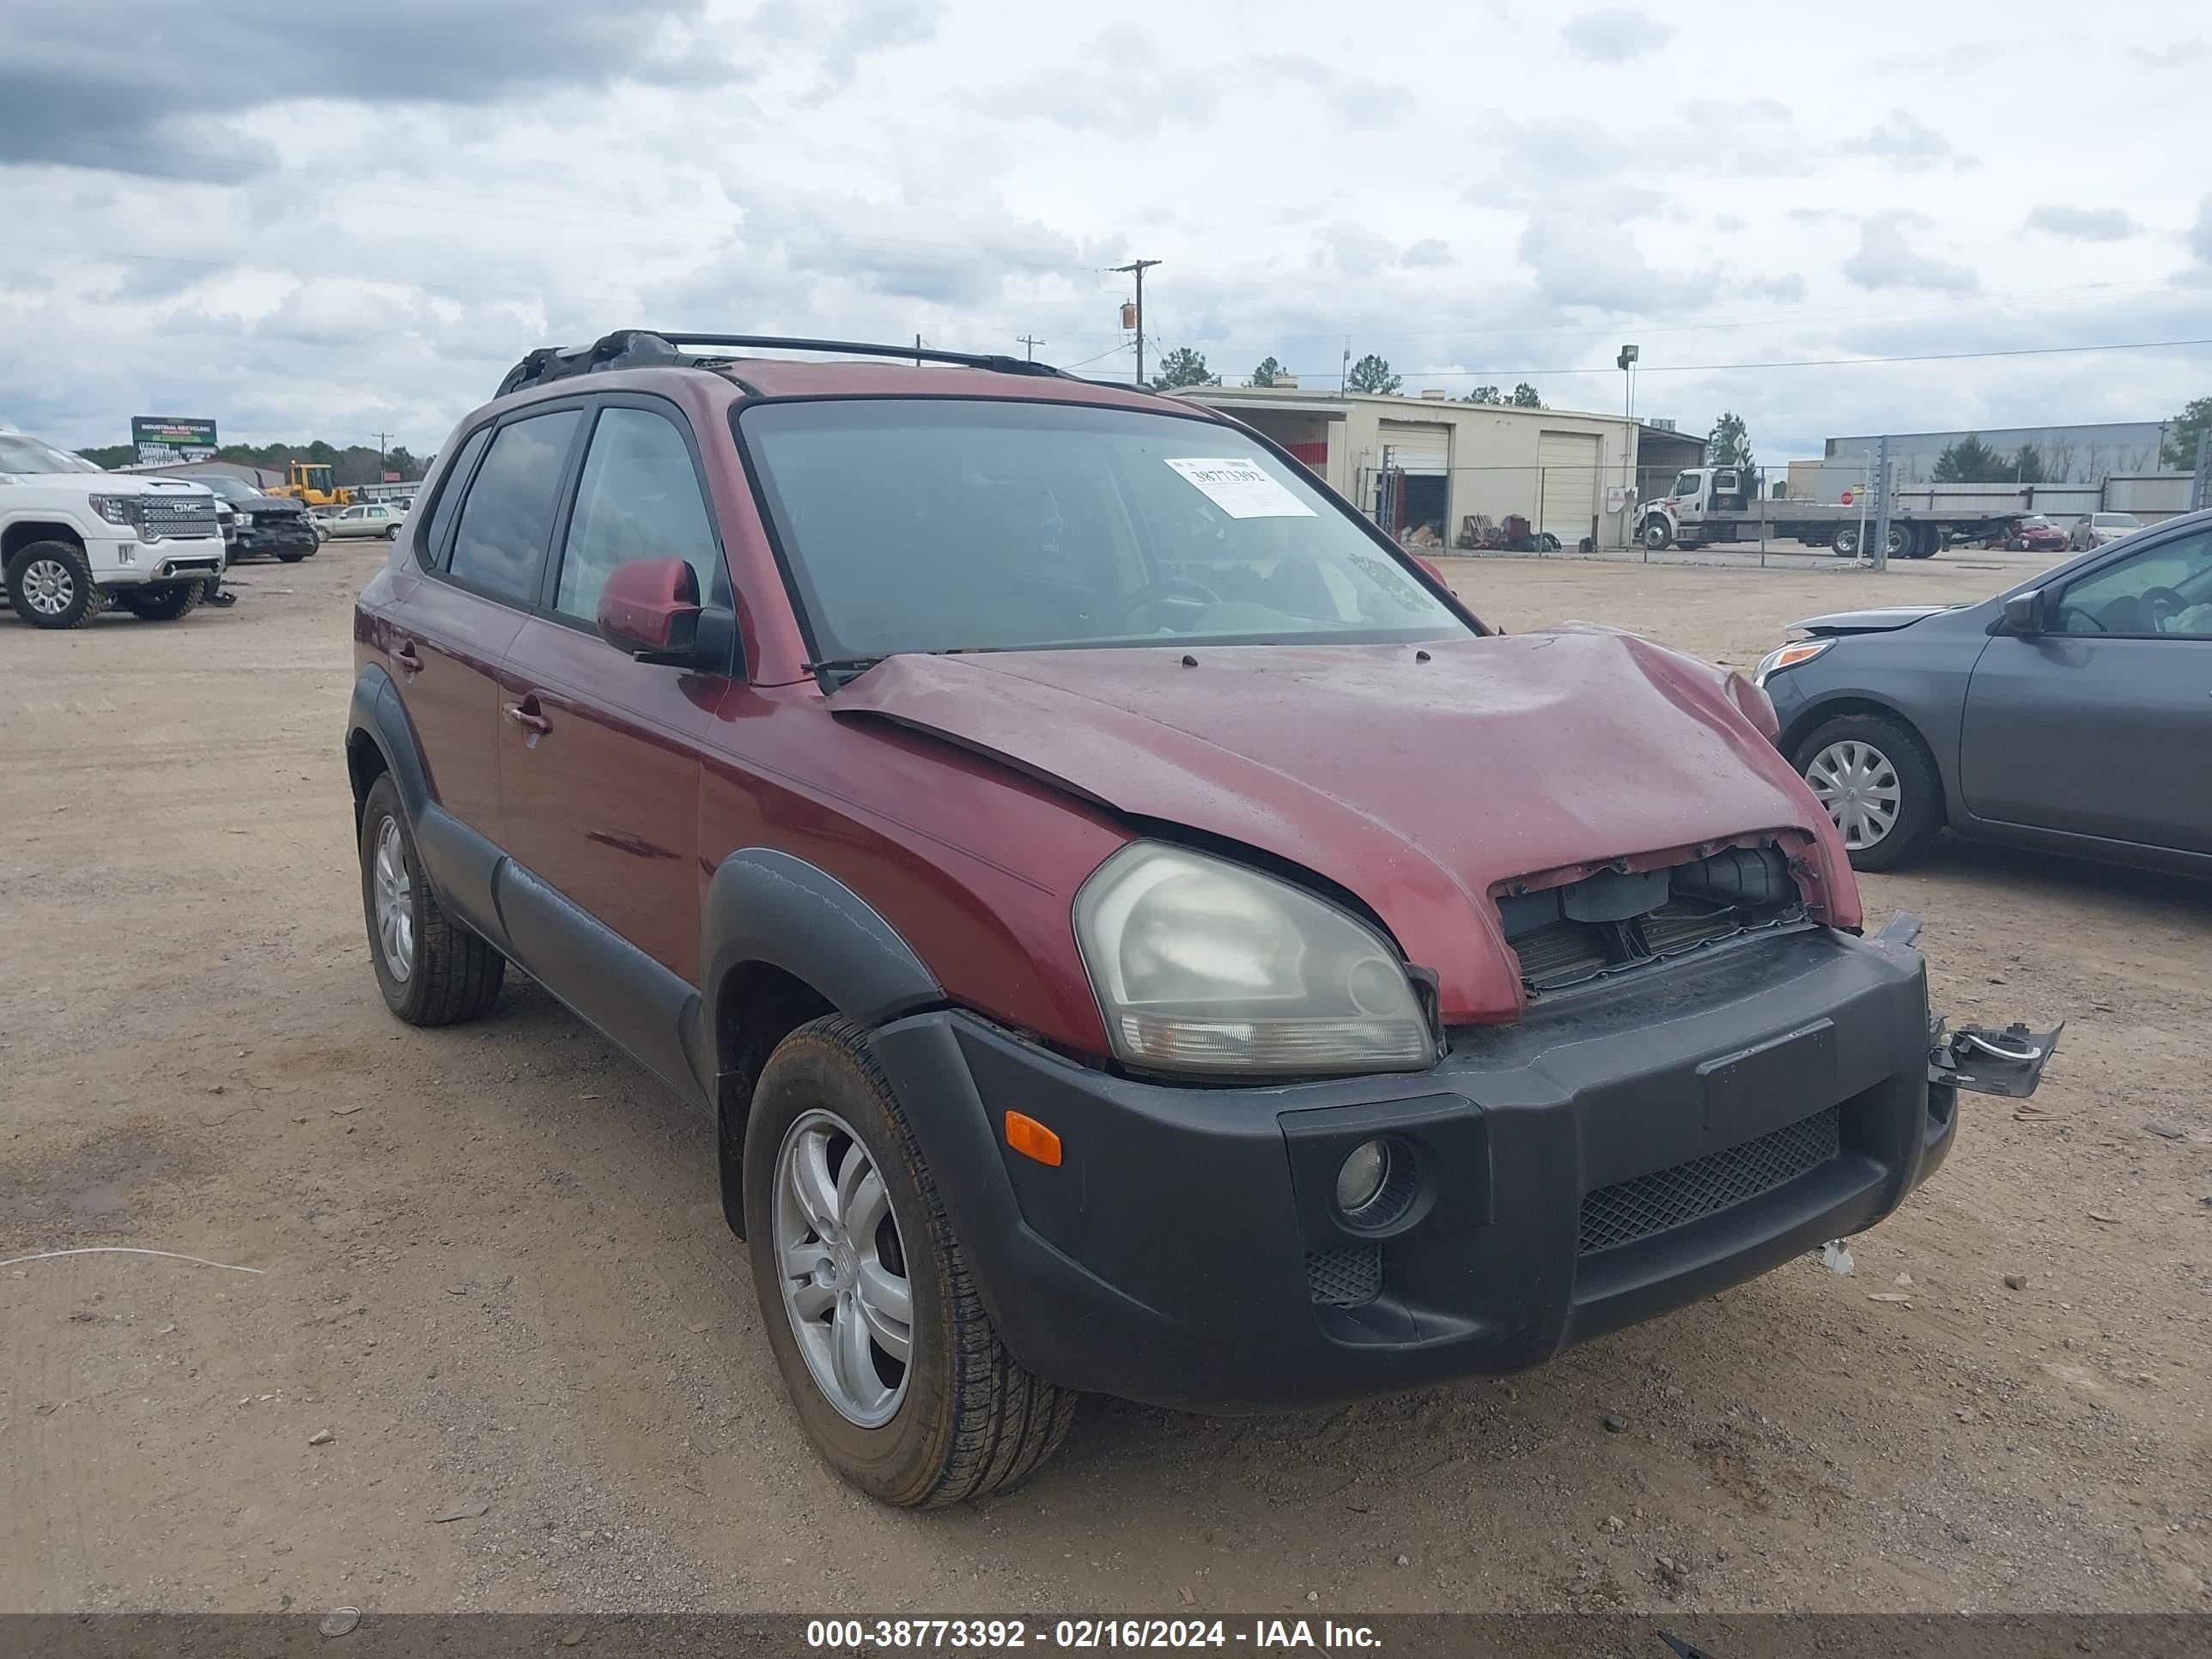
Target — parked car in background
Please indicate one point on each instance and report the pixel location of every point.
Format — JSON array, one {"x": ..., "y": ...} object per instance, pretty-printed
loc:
[
  {"x": 2035, "y": 534},
  {"x": 1095, "y": 979},
  {"x": 73, "y": 537},
  {"x": 268, "y": 527},
  {"x": 366, "y": 518},
  {"x": 2073, "y": 712},
  {"x": 2095, "y": 529}
]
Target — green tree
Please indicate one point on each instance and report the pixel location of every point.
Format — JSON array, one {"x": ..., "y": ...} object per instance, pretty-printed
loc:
[
  {"x": 1371, "y": 374},
  {"x": 1524, "y": 397},
  {"x": 1265, "y": 375},
  {"x": 2179, "y": 451},
  {"x": 1183, "y": 367},
  {"x": 1972, "y": 461},
  {"x": 1728, "y": 443},
  {"x": 110, "y": 455},
  {"x": 1485, "y": 394},
  {"x": 2028, "y": 464}
]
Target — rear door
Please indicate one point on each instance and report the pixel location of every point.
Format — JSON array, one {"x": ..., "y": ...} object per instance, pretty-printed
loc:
[
  {"x": 599, "y": 754},
  {"x": 2101, "y": 724}
]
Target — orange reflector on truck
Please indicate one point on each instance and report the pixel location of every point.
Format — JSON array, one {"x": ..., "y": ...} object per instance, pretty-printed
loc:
[{"x": 1031, "y": 1138}]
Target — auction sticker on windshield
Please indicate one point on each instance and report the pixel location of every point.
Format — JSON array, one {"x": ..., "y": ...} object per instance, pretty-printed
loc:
[{"x": 1242, "y": 489}]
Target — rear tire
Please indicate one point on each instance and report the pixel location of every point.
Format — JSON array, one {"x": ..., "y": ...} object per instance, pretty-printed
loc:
[
  {"x": 432, "y": 971},
  {"x": 961, "y": 1418},
  {"x": 1867, "y": 767},
  {"x": 291, "y": 558},
  {"x": 168, "y": 604},
  {"x": 1846, "y": 542},
  {"x": 50, "y": 584}
]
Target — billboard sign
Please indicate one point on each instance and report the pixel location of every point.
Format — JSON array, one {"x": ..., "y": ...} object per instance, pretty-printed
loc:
[{"x": 161, "y": 438}]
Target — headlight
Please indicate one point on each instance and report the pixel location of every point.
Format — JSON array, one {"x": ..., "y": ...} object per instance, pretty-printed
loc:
[
  {"x": 1788, "y": 656},
  {"x": 1201, "y": 965},
  {"x": 116, "y": 509}
]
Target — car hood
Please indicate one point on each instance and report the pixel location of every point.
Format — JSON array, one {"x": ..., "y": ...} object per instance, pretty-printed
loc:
[
  {"x": 1418, "y": 786},
  {"x": 1880, "y": 621}
]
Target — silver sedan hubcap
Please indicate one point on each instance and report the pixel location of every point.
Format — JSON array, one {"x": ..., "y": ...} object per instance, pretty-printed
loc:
[
  {"x": 48, "y": 587},
  {"x": 395, "y": 902},
  {"x": 843, "y": 1269},
  {"x": 1859, "y": 786}
]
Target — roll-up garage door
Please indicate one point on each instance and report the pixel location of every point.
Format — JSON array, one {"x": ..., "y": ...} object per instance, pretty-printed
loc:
[
  {"x": 1417, "y": 446},
  {"x": 1568, "y": 488}
]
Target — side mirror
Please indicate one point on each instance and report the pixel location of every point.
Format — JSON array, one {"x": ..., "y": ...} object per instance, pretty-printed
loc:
[
  {"x": 2023, "y": 614},
  {"x": 650, "y": 608}
]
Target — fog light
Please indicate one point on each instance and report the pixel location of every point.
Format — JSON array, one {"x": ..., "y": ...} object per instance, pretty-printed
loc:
[{"x": 1359, "y": 1178}]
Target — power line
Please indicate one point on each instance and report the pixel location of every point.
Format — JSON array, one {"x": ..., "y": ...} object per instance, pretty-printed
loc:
[{"x": 1804, "y": 363}]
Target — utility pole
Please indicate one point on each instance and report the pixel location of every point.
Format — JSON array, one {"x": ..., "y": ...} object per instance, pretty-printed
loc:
[
  {"x": 1136, "y": 267},
  {"x": 1881, "y": 505},
  {"x": 1031, "y": 341},
  {"x": 2200, "y": 484},
  {"x": 382, "y": 439},
  {"x": 917, "y": 351}
]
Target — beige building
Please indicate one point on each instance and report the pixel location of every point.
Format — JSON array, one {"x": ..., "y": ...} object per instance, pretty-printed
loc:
[{"x": 1427, "y": 462}]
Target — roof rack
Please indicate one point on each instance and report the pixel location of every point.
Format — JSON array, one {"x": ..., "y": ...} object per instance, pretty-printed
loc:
[{"x": 638, "y": 348}]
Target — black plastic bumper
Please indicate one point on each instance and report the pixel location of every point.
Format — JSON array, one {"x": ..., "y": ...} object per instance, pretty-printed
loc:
[{"x": 1623, "y": 1152}]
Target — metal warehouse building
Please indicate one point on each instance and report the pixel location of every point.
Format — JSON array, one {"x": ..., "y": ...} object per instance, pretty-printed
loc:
[{"x": 1430, "y": 464}]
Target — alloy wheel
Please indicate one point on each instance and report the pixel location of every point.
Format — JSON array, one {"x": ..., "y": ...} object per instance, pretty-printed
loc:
[
  {"x": 1859, "y": 786},
  {"x": 49, "y": 587},
  {"x": 843, "y": 1268},
  {"x": 395, "y": 903}
]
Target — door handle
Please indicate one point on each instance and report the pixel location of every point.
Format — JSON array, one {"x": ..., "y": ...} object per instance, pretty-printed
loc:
[
  {"x": 404, "y": 654},
  {"x": 527, "y": 715}
]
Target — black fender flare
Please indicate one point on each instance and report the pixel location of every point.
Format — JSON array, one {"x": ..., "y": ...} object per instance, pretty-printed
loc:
[
  {"x": 377, "y": 714},
  {"x": 771, "y": 908},
  {"x": 766, "y": 906}
]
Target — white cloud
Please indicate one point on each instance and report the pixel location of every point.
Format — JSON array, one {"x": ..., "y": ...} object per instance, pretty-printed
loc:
[
  {"x": 1614, "y": 35},
  {"x": 1905, "y": 141},
  {"x": 1884, "y": 258},
  {"x": 2085, "y": 224}
]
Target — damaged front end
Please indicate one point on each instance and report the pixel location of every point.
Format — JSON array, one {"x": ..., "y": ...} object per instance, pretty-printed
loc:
[{"x": 2008, "y": 1062}]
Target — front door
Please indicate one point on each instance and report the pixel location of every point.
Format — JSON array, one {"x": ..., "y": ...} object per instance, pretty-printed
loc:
[
  {"x": 2101, "y": 725},
  {"x": 598, "y": 753}
]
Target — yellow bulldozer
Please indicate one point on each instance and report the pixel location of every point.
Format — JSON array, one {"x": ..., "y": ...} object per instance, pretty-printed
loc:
[{"x": 310, "y": 482}]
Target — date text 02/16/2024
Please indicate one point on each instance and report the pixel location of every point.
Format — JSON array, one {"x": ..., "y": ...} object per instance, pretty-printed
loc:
[{"x": 1005, "y": 1635}]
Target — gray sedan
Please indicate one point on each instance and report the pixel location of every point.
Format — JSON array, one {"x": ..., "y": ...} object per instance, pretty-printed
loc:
[{"x": 2072, "y": 712}]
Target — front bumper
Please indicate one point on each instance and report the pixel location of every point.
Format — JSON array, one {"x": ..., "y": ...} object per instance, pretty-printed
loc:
[
  {"x": 1630, "y": 1149},
  {"x": 297, "y": 537},
  {"x": 126, "y": 562}
]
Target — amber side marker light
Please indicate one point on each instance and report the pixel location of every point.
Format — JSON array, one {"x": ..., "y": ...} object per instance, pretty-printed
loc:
[{"x": 1032, "y": 1139}]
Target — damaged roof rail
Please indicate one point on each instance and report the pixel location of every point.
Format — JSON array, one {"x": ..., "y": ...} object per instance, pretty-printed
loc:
[{"x": 638, "y": 348}]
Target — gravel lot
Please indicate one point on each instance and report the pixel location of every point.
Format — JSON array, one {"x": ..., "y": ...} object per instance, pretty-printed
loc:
[{"x": 492, "y": 1266}]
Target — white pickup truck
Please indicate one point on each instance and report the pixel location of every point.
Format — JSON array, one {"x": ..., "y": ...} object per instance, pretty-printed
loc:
[{"x": 73, "y": 537}]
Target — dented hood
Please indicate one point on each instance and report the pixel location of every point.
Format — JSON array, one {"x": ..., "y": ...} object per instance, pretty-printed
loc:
[{"x": 1418, "y": 786}]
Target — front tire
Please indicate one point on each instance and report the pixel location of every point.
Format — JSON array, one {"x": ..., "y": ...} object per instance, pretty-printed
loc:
[
  {"x": 432, "y": 971},
  {"x": 169, "y": 604},
  {"x": 893, "y": 1364},
  {"x": 50, "y": 584},
  {"x": 391, "y": 532},
  {"x": 291, "y": 558},
  {"x": 1655, "y": 534},
  {"x": 1878, "y": 786}
]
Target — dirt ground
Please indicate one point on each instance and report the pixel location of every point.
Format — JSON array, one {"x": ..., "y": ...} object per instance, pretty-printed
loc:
[{"x": 489, "y": 1261}]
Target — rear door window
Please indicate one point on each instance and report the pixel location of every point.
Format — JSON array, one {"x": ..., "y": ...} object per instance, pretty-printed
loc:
[
  {"x": 449, "y": 497},
  {"x": 508, "y": 520}
]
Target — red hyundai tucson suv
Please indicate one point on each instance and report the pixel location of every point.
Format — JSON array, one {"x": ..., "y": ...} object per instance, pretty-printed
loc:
[{"x": 1133, "y": 928}]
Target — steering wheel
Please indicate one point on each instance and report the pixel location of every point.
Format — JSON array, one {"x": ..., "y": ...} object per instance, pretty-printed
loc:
[
  {"x": 2160, "y": 604},
  {"x": 1114, "y": 620}
]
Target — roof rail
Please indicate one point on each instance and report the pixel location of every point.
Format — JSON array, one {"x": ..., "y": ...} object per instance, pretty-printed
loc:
[{"x": 638, "y": 348}]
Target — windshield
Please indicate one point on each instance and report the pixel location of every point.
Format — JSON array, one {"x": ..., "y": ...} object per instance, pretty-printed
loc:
[
  {"x": 1685, "y": 484},
  {"x": 20, "y": 452},
  {"x": 2117, "y": 520},
  {"x": 221, "y": 483},
  {"x": 318, "y": 477},
  {"x": 944, "y": 525}
]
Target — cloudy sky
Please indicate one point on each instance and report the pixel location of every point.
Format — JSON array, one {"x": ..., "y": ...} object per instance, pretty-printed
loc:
[{"x": 344, "y": 221}]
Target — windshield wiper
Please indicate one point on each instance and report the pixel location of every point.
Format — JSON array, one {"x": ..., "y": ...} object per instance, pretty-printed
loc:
[{"x": 847, "y": 668}]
